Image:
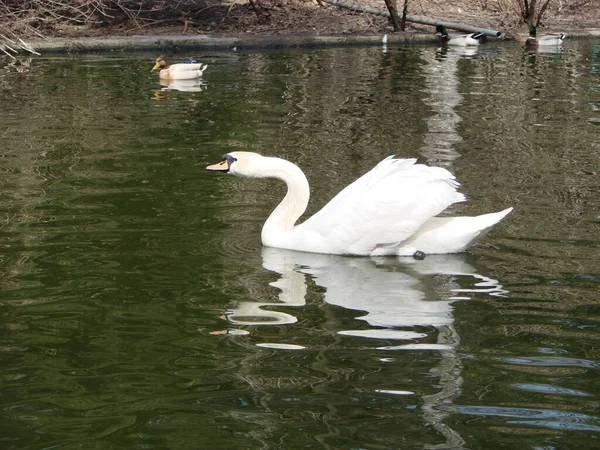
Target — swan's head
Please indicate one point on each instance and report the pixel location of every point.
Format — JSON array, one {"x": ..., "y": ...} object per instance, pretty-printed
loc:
[{"x": 244, "y": 164}]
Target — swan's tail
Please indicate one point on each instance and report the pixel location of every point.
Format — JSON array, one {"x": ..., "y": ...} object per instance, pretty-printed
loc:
[
  {"x": 489, "y": 220},
  {"x": 480, "y": 225},
  {"x": 447, "y": 234}
]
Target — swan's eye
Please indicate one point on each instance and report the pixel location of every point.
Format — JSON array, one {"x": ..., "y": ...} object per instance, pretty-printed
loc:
[{"x": 230, "y": 159}]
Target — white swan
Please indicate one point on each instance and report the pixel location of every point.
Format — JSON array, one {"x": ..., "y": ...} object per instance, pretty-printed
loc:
[{"x": 388, "y": 211}]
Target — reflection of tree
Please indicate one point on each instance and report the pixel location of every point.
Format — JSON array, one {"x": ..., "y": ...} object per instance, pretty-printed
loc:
[
  {"x": 443, "y": 89},
  {"x": 529, "y": 121},
  {"x": 86, "y": 155},
  {"x": 324, "y": 99}
]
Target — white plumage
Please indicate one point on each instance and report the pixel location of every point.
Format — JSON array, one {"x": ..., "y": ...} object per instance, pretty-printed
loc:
[
  {"x": 546, "y": 40},
  {"x": 182, "y": 71},
  {"x": 388, "y": 211},
  {"x": 463, "y": 40}
]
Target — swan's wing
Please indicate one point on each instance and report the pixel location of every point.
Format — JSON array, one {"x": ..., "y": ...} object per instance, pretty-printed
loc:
[{"x": 383, "y": 207}]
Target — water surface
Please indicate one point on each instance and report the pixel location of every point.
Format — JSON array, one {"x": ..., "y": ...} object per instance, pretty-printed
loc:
[{"x": 138, "y": 309}]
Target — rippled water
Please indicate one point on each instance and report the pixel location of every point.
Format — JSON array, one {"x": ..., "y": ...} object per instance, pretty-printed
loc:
[{"x": 138, "y": 309}]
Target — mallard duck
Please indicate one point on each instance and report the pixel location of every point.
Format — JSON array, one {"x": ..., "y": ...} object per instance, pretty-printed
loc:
[
  {"x": 538, "y": 41},
  {"x": 391, "y": 210},
  {"x": 463, "y": 40},
  {"x": 178, "y": 71}
]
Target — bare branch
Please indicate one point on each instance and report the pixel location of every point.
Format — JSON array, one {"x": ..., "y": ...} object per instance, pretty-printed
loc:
[{"x": 541, "y": 13}]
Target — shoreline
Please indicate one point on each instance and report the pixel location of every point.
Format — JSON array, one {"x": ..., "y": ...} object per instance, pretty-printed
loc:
[{"x": 174, "y": 43}]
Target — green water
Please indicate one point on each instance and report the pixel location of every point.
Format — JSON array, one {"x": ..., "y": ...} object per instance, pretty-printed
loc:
[{"x": 138, "y": 309}]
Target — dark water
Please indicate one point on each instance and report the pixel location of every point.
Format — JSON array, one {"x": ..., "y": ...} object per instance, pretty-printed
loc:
[{"x": 138, "y": 309}]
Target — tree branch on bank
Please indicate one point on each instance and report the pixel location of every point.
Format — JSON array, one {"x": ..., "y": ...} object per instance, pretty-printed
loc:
[
  {"x": 21, "y": 19},
  {"x": 531, "y": 11},
  {"x": 391, "y": 6}
]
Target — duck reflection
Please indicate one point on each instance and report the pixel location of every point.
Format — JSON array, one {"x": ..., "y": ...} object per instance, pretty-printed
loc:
[
  {"x": 193, "y": 85},
  {"x": 545, "y": 50},
  {"x": 465, "y": 51}
]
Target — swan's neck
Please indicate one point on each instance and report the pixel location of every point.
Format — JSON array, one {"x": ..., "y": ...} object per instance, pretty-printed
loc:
[{"x": 293, "y": 205}]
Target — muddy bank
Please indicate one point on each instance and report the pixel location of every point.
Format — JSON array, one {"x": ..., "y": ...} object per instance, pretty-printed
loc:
[
  {"x": 175, "y": 43},
  {"x": 298, "y": 23}
]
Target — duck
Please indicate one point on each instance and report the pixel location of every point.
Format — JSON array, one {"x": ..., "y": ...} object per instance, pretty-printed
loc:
[
  {"x": 543, "y": 41},
  {"x": 178, "y": 71},
  {"x": 464, "y": 40},
  {"x": 517, "y": 36},
  {"x": 390, "y": 210}
]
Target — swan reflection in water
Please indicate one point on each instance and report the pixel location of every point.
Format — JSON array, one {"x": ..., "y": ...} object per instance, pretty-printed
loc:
[{"x": 393, "y": 292}]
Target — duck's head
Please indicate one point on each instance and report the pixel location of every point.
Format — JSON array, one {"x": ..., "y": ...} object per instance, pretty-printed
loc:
[
  {"x": 441, "y": 29},
  {"x": 245, "y": 164},
  {"x": 161, "y": 63},
  {"x": 532, "y": 30}
]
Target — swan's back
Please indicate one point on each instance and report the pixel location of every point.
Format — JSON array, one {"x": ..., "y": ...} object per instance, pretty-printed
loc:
[{"x": 383, "y": 207}]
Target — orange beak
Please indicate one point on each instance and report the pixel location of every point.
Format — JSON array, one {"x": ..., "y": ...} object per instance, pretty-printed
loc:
[{"x": 223, "y": 166}]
